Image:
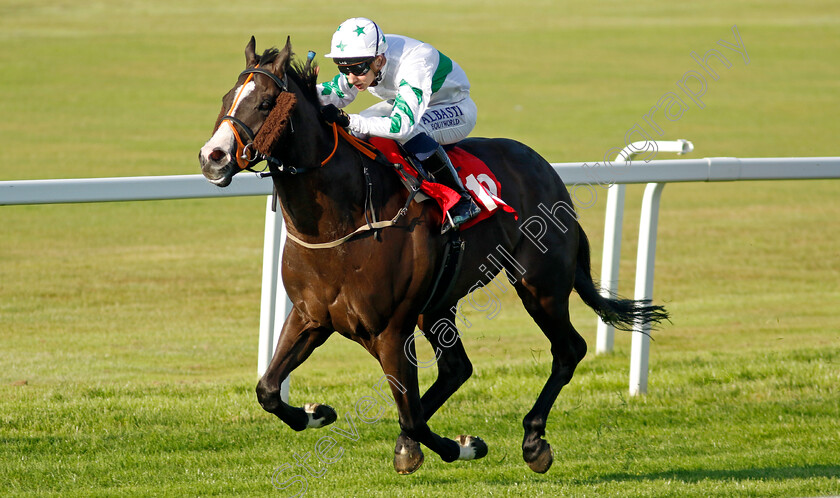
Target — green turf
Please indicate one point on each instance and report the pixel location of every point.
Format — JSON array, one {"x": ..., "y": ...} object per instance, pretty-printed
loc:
[{"x": 128, "y": 331}]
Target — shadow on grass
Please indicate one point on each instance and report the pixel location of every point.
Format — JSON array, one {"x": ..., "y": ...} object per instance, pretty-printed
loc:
[{"x": 692, "y": 476}]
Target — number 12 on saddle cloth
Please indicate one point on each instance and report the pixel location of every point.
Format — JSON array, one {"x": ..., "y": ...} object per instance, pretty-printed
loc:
[{"x": 475, "y": 175}]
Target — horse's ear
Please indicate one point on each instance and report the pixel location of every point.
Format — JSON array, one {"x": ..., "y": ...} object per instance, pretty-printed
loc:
[
  {"x": 279, "y": 66},
  {"x": 251, "y": 53}
]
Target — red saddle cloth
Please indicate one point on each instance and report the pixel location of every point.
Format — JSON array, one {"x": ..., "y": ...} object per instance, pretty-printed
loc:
[{"x": 475, "y": 175}]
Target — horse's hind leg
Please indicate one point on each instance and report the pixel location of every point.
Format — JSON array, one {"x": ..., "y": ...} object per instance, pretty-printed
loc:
[
  {"x": 454, "y": 368},
  {"x": 551, "y": 312},
  {"x": 389, "y": 348}
]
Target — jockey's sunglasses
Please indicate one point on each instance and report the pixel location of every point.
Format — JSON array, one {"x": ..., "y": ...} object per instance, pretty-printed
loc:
[{"x": 358, "y": 69}]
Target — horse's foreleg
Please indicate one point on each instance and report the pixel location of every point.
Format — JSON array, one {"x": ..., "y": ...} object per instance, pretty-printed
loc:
[
  {"x": 454, "y": 368},
  {"x": 402, "y": 376},
  {"x": 295, "y": 345}
]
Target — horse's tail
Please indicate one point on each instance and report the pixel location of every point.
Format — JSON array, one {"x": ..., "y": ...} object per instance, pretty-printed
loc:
[{"x": 620, "y": 313}]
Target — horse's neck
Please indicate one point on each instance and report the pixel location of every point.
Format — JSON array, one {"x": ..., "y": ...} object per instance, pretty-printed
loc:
[{"x": 325, "y": 202}]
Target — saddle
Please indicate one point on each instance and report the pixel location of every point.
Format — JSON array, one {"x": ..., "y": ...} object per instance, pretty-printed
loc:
[{"x": 474, "y": 173}]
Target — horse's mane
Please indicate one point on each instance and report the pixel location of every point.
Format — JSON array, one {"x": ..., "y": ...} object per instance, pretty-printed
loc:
[{"x": 303, "y": 73}]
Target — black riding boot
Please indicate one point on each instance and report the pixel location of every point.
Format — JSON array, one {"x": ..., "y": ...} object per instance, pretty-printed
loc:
[{"x": 441, "y": 168}]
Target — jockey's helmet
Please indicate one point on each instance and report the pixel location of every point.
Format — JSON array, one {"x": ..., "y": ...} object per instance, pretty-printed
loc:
[{"x": 357, "y": 38}]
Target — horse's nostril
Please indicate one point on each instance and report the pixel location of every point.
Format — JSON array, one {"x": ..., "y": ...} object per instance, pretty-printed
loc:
[{"x": 217, "y": 155}]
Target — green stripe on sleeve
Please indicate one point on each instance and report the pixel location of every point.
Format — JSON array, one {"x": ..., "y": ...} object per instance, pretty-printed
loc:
[
  {"x": 417, "y": 92},
  {"x": 332, "y": 86},
  {"x": 401, "y": 105},
  {"x": 442, "y": 71},
  {"x": 396, "y": 123}
]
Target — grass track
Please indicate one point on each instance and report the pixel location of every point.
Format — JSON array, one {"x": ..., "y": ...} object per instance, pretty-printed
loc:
[{"x": 128, "y": 330}]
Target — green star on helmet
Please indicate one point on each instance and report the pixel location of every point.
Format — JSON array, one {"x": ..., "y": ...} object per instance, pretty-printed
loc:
[
  {"x": 341, "y": 46},
  {"x": 359, "y": 30}
]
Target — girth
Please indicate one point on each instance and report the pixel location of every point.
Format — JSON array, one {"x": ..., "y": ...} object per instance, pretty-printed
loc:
[{"x": 448, "y": 272}]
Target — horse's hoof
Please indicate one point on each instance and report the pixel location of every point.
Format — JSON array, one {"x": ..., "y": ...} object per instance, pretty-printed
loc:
[
  {"x": 472, "y": 447},
  {"x": 408, "y": 459},
  {"x": 319, "y": 415},
  {"x": 539, "y": 460}
]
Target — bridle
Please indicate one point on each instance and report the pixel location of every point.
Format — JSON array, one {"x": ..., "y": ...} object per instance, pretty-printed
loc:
[{"x": 246, "y": 155}]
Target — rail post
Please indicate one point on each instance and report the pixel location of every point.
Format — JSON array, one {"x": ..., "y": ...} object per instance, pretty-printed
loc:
[
  {"x": 274, "y": 303},
  {"x": 645, "y": 262},
  {"x": 613, "y": 220}
]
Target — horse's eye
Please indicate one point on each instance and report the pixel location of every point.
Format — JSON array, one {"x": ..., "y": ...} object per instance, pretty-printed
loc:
[{"x": 266, "y": 105}]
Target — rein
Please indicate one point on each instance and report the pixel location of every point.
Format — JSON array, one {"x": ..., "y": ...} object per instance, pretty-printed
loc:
[{"x": 365, "y": 148}]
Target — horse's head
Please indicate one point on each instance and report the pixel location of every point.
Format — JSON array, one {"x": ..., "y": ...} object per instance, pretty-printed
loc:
[{"x": 259, "y": 104}]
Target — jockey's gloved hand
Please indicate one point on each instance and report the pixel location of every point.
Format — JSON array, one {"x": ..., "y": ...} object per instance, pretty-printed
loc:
[{"x": 332, "y": 114}]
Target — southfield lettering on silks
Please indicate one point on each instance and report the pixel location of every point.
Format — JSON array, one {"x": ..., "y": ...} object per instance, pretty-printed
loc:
[{"x": 434, "y": 115}]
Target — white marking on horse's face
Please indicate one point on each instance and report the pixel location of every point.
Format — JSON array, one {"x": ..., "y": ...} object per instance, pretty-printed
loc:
[{"x": 223, "y": 140}]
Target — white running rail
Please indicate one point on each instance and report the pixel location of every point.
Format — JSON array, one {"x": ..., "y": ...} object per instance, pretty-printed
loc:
[{"x": 275, "y": 304}]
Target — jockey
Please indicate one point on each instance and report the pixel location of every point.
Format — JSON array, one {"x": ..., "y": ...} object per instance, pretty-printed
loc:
[{"x": 426, "y": 99}]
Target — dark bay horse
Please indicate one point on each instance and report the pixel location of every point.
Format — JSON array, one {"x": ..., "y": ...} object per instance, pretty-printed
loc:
[{"x": 373, "y": 288}]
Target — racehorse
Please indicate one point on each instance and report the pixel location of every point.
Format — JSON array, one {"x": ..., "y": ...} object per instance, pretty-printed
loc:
[{"x": 371, "y": 281}]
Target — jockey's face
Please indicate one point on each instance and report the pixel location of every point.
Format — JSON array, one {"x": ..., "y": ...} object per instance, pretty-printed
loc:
[{"x": 362, "y": 82}]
